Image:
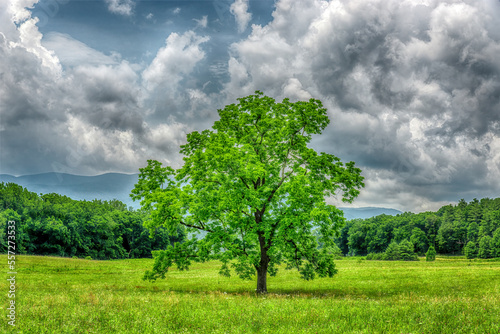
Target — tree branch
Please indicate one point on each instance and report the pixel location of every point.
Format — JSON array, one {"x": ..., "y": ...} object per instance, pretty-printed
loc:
[
  {"x": 246, "y": 185},
  {"x": 197, "y": 227},
  {"x": 274, "y": 190}
]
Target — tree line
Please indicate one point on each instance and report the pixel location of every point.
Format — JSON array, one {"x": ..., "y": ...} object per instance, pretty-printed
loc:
[
  {"x": 471, "y": 229},
  {"x": 53, "y": 224}
]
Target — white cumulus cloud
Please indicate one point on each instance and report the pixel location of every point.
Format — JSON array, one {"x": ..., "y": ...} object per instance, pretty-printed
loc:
[
  {"x": 177, "y": 58},
  {"x": 121, "y": 7},
  {"x": 239, "y": 8}
]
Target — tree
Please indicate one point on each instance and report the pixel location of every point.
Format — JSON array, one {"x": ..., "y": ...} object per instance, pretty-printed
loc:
[
  {"x": 470, "y": 250},
  {"x": 495, "y": 243},
  {"x": 431, "y": 254},
  {"x": 357, "y": 238},
  {"x": 392, "y": 252},
  {"x": 472, "y": 232},
  {"x": 256, "y": 189},
  {"x": 432, "y": 226},
  {"x": 485, "y": 251},
  {"x": 406, "y": 251},
  {"x": 419, "y": 240},
  {"x": 53, "y": 224}
]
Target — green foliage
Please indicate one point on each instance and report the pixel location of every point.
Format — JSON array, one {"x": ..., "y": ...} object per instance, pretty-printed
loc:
[
  {"x": 470, "y": 250},
  {"x": 403, "y": 251},
  {"x": 376, "y": 256},
  {"x": 431, "y": 254},
  {"x": 394, "y": 252},
  {"x": 335, "y": 251},
  {"x": 419, "y": 240},
  {"x": 252, "y": 184},
  {"x": 485, "y": 250},
  {"x": 52, "y": 224},
  {"x": 495, "y": 243},
  {"x": 473, "y": 232},
  {"x": 451, "y": 237},
  {"x": 449, "y": 229},
  {"x": 6, "y": 216},
  {"x": 406, "y": 251}
]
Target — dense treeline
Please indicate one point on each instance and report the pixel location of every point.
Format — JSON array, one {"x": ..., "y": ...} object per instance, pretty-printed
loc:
[
  {"x": 53, "y": 224},
  {"x": 472, "y": 229}
]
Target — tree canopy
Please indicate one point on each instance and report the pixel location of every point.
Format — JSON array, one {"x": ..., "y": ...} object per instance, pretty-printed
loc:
[
  {"x": 472, "y": 229},
  {"x": 53, "y": 224},
  {"x": 256, "y": 189}
]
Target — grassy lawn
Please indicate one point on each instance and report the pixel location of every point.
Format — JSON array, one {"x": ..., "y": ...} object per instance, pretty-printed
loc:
[{"x": 60, "y": 295}]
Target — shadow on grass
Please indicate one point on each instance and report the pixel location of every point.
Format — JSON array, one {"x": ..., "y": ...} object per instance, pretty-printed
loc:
[{"x": 348, "y": 293}]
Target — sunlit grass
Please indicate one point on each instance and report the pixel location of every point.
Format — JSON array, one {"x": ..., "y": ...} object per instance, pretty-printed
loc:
[{"x": 60, "y": 295}]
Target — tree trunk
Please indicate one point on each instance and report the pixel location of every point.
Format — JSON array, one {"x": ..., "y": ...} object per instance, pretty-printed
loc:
[
  {"x": 262, "y": 280},
  {"x": 263, "y": 265}
]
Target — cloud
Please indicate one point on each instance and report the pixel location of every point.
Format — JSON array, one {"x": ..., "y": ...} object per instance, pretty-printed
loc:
[
  {"x": 72, "y": 52},
  {"x": 121, "y": 7},
  {"x": 201, "y": 23},
  {"x": 91, "y": 116},
  {"x": 20, "y": 10},
  {"x": 177, "y": 58},
  {"x": 108, "y": 97},
  {"x": 412, "y": 88},
  {"x": 239, "y": 8},
  {"x": 20, "y": 31}
]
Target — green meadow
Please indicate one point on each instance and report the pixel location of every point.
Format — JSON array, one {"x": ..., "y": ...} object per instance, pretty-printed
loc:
[{"x": 62, "y": 295}]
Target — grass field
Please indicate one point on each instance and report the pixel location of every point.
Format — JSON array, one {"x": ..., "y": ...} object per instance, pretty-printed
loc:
[{"x": 60, "y": 295}]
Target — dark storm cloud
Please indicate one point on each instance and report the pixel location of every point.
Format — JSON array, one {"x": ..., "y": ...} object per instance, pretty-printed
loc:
[
  {"x": 109, "y": 97},
  {"x": 86, "y": 119},
  {"x": 412, "y": 88}
]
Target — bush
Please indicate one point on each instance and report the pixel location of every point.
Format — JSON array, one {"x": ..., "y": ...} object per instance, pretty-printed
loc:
[
  {"x": 431, "y": 254},
  {"x": 392, "y": 252},
  {"x": 75, "y": 257},
  {"x": 470, "y": 250},
  {"x": 375, "y": 256},
  {"x": 336, "y": 252},
  {"x": 88, "y": 257},
  {"x": 406, "y": 251}
]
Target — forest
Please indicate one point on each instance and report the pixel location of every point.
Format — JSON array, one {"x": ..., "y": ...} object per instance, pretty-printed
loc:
[
  {"x": 53, "y": 224},
  {"x": 470, "y": 229}
]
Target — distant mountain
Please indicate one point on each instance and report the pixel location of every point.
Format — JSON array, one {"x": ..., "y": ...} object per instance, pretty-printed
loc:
[
  {"x": 118, "y": 186},
  {"x": 368, "y": 212},
  {"x": 105, "y": 187}
]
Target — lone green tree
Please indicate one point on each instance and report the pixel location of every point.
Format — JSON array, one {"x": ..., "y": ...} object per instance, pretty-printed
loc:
[
  {"x": 256, "y": 190},
  {"x": 431, "y": 254}
]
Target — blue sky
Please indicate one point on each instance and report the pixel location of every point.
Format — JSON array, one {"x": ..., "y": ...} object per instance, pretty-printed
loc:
[{"x": 412, "y": 87}]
